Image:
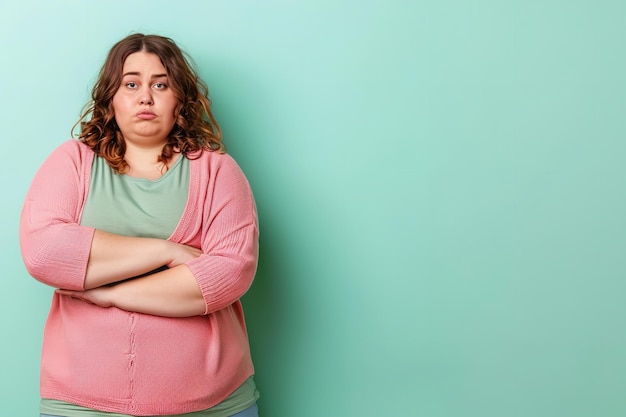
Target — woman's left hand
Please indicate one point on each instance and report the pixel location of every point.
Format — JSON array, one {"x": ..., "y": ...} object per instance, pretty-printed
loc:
[{"x": 100, "y": 296}]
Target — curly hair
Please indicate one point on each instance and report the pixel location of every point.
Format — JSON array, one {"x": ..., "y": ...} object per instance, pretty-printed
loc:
[{"x": 195, "y": 128}]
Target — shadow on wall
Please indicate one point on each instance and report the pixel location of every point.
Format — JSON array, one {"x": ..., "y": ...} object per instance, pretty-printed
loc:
[
  {"x": 266, "y": 309},
  {"x": 267, "y": 302},
  {"x": 276, "y": 305}
]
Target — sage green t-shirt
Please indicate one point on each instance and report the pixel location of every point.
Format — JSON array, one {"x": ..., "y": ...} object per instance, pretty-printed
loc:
[
  {"x": 136, "y": 206},
  {"x": 146, "y": 208},
  {"x": 245, "y": 396}
]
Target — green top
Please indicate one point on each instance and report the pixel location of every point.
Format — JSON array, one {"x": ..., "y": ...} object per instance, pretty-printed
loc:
[
  {"x": 148, "y": 208},
  {"x": 245, "y": 396},
  {"x": 136, "y": 206}
]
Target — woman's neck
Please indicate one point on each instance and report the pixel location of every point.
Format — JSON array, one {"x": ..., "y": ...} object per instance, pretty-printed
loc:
[{"x": 143, "y": 162}]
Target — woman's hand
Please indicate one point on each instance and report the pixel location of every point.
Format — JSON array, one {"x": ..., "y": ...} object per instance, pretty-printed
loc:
[
  {"x": 100, "y": 296},
  {"x": 181, "y": 254},
  {"x": 114, "y": 258}
]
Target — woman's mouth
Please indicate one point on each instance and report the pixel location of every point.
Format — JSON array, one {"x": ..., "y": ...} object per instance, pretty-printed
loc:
[{"x": 146, "y": 115}]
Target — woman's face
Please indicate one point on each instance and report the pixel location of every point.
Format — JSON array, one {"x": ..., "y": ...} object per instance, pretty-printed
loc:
[{"x": 144, "y": 104}]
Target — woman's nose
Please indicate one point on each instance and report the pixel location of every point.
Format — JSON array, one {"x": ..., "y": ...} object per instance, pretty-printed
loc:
[{"x": 146, "y": 98}]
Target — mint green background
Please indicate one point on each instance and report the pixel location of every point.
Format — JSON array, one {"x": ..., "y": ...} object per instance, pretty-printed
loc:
[{"x": 441, "y": 186}]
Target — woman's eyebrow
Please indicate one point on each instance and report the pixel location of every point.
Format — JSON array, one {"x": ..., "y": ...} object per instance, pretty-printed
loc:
[{"x": 138, "y": 73}]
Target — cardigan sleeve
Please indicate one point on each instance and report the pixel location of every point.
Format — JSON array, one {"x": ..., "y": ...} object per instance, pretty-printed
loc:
[
  {"x": 230, "y": 236},
  {"x": 55, "y": 248}
]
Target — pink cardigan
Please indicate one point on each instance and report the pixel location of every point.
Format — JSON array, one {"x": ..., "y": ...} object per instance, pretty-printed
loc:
[{"x": 132, "y": 363}]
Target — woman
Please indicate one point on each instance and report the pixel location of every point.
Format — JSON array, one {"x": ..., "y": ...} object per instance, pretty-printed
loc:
[{"x": 148, "y": 231}]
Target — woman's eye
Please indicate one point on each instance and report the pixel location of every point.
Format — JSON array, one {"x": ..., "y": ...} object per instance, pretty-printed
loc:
[
  {"x": 131, "y": 85},
  {"x": 160, "y": 86}
]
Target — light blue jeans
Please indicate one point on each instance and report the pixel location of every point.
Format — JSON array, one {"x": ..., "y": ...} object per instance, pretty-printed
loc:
[{"x": 248, "y": 412}]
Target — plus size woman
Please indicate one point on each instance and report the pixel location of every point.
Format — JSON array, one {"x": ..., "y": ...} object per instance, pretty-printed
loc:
[{"x": 148, "y": 232}]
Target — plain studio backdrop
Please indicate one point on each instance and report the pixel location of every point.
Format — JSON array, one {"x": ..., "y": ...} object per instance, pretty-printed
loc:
[{"x": 440, "y": 184}]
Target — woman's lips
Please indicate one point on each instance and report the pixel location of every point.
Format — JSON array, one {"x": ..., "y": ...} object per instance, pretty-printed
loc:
[{"x": 146, "y": 115}]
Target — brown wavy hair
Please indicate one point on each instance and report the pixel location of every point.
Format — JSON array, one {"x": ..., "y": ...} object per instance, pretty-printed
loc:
[{"x": 195, "y": 128}]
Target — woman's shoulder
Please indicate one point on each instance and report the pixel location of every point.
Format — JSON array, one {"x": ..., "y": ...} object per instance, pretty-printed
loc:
[
  {"x": 73, "y": 147},
  {"x": 215, "y": 160},
  {"x": 71, "y": 154},
  {"x": 222, "y": 167}
]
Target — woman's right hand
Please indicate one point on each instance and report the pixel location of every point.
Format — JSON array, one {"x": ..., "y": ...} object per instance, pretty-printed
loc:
[{"x": 181, "y": 254}]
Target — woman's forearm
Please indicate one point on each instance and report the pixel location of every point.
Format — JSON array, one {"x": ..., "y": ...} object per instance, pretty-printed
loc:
[
  {"x": 173, "y": 292},
  {"x": 114, "y": 258},
  {"x": 170, "y": 293}
]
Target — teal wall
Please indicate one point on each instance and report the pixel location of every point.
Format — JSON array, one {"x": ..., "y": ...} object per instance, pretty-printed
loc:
[{"x": 441, "y": 186}]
